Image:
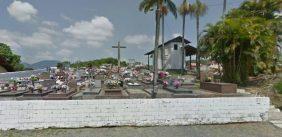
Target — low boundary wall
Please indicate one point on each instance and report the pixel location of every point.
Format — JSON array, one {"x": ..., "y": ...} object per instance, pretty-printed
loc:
[{"x": 134, "y": 112}]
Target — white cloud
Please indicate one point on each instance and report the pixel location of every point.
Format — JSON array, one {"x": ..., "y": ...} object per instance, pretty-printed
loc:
[
  {"x": 67, "y": 18},
  {"x": 9, "y": 38},
  {"x": 22, "y": 11},
  {"x": 49, "y": 23},
  {"x": 176, "y": 35},
  {"x": 138, "y": 39},
  {"x": 70, "y": 43},
  {"x": 93, "y": 32},
  {"x": 64, "y": 53},
  {"x": 48, "y": 31},
  {"x": 37, "y": 39},
  {"x": 49, "y": 42},
  {"x": 45, "y": 55}
]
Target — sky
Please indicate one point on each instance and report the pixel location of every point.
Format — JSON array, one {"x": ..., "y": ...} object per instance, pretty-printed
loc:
[{"x": 72, "y": 30}]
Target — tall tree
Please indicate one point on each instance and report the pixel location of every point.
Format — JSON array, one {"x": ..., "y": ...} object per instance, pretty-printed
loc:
[
  {"x": 166, "y": 7},
  {"x": 199, "y": 9},
  {"x": 146, "y": 6},
  {"x": 224, "y": 7},
  {"x": 245, "y": 41},
  {"x": 184, "y": 9}
]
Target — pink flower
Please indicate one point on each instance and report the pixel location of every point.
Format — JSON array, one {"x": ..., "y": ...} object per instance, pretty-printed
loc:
[
  {"x": 165, "y": 83},
  {"x": 162, "y": 75},
  {"x": 176, "y": 83}
]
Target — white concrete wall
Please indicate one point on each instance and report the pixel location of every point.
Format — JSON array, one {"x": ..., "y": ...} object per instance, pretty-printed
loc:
[
  {"x": 135, "y": 112},
  {"x": 174, "y": 56}
]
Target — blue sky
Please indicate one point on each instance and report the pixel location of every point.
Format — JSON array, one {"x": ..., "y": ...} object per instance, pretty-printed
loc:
[{"x": 86, "y": 29}]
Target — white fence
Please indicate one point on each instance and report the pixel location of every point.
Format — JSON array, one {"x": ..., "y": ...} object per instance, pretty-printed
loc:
[{"x": 135, "y": 112}]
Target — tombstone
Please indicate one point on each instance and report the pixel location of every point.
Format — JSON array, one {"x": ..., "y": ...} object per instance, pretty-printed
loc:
[
  {"x": 95, "y": 90},
  {"x": 175, "y": 86},
  {"x": 112, "y": 90}
]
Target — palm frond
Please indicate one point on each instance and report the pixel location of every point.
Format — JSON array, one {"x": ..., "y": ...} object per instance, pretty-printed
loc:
[
  {"x": 185, "y": 8},
  {"x": 171, "y": 7}
]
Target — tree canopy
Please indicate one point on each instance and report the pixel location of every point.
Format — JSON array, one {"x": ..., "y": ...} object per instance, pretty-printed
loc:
[
  {"x": 245, "y": 41},
  {"x": 98, "y": 63},
  {"x": 8, "y": 59}
]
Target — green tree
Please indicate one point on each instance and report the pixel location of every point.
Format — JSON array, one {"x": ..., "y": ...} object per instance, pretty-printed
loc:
[
  {"x": 60, "y": 65},
  {"x": 8, "y": 59},
  {"x": 184, "y": 9},
  {"x": 224, "y": 6},
  {"x": 245, "y": 42},
  {"x": 165, "y": 8},
  {"x": 146, "y": 6},
  {"x": 98, "y": 63},
  {"x": 199, "y": 9}
]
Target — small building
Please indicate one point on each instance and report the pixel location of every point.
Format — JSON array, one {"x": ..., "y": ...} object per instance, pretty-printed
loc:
[
  {"x": 2, "y": 69},
  {"x": 173, "y": 54}
]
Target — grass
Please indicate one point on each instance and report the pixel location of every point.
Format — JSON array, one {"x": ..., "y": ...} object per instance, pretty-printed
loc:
[{"x": 278, "y": 87}]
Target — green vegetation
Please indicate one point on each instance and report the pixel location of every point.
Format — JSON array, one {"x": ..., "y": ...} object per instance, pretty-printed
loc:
[
  {"x": 159, "y": 6},
  {"x": 199, "y": 9},
  {"x": 184, "y": 10},
  {"x": 8, "y": 59},
  {"x": 98, "y": 63},
  {"x": 278, "y": 87},
  {"x": 63, "y": 65},
  {"x": 165, "y": 8},
  {"x": 245, "y": 41}
]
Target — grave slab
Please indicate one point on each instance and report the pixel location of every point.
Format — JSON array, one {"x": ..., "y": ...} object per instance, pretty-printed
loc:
[
  {"x": 137, "y": 93},
  {"x": 219, "y": 87},
  {"x": 60, "y": 95}
]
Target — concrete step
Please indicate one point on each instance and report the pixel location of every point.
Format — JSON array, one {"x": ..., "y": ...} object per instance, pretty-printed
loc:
[
  {"x": 274, "y": 110},
  {"x": 277, "y": 123},
  {"x": 275, "y": 116}
]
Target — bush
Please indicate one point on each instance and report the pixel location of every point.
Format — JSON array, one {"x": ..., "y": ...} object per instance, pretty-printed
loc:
[{"x": 278, "y": 87}]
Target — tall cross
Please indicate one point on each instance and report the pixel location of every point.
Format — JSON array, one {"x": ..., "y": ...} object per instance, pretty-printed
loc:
[{"x": 118, "y": 47}]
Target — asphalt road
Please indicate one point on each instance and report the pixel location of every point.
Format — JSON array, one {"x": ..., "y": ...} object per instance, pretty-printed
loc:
[{"x": 228, "y": 130}]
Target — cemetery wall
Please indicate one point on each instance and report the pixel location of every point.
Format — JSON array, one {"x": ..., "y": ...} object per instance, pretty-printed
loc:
[{"x": 134, "y": 112}]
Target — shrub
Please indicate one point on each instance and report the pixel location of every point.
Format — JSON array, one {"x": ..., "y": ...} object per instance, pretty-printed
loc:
[{"x": 278, "y": 87}]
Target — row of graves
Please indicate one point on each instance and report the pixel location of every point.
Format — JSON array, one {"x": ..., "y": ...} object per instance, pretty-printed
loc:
[
  {"x": 110, "y": 82},
  {"x": 61, "y": 85}
]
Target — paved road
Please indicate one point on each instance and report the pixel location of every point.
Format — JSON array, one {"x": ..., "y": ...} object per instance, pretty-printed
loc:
[{"x": 229, "y": 130}]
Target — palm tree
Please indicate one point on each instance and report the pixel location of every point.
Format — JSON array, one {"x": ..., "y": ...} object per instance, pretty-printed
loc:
[
  {"x": 146, "y": 6},
  {"x": 164, "y": 11},
  {"x": 184, "y": 9},
  {"x": 199, "y": 9},
  {"x": 224, "y": 6}
]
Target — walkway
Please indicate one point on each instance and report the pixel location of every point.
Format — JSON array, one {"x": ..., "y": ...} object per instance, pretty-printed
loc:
[
  {"x": 229, "y": 130},
  {"x": 275, "y": 116}
]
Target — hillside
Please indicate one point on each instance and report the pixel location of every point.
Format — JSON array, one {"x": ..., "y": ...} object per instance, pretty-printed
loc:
[{"x": 42, "y": 64}]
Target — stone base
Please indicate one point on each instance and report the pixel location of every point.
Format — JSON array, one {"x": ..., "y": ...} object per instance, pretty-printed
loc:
[
  {"x": 60, "y": 96},
  {"x": 44, "y": 93},
  {"x": 137, "y": 93},
  {"x": 34, "y": 96},
  {"x": 3, "y": 91},
  {"x": 94, "y": 91},
  {"x": 219, "y": 87},
  {"x": 178, "y": 90},
  {"x": 13, "y": 93},
  {"x": 112, "y": 94}
]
